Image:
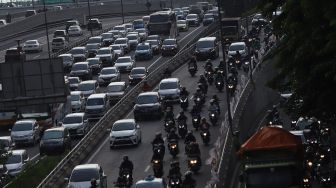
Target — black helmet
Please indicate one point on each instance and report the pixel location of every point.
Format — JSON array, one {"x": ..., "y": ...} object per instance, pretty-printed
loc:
[
  {"x": 158, "y": 135},
  {"x": 125, "y": 158},
  {"x": 181, "y": 113},
  {"x": 203, "y": 119},
  {"x": 93, "y": 182},
  {"x": 201, "y": 76},
  {"x": 188, "y": 174},
  {"x": 190, "y": 132}
]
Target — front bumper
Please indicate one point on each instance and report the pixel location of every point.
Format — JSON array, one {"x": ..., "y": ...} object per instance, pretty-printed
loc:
[
  {"x": 95, "y": 114},
  {"x": 205, "y": 55},
  {"x": 77, "y": 131},
  {"x": 123, "y": 141},
  {"x": 23, "y": 140},
  {"x": 147, "y": 112}
]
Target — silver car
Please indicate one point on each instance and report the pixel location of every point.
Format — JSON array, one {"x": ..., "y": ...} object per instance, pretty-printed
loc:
[
  {"x": 169, "y": 89},
  {"x": 125, "y": 132},
  {"x": 124, "y": 64},
  {"x": 25, "y": 132},
  {"x": 108, "y": 75},
  {"x": 82, "y": 175},
  {"x": 77, "y": 101},
  {"x": 76, "y": 123},
  {"x": 17, "y": 162}
]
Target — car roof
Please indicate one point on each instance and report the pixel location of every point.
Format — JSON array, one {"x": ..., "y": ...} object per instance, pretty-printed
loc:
[
  {"x": 73, "y": 77},
  {"x": 169, "y": 80},
  {"x": 18, "y": 151},
  {"x": 97, "y": 95},
  {"x": 55, "y": 129},
  {"x": 81, "y": 63},
  {"x": 32, "y": 40},
  {"x": 93, "y": 58},
  {"x": 75, "y": 114},
  {"x": 131, "y": 35},
  {"x": 64, "y": 55},
  {"x": 148, "y": 93},
  {"x": 25, "y": 121},
  {"x": 79, "y": 47},
  {"x": 192, "y": 14},
  {"x": 122, "y": 38},
  {"x": 88, "y": 82},
  {"x": 125, "y": 57},
  {"x": 87, "y": 166},
  {"x": 59, "y": 38},
  {"x": 207, "y": 39},
  {"x": 125, "y": 121},
  {"x": 60, "y": 30},
  {"x": 170, "y": 39},
  {"x": 237, "y": 43},
  {"x": 117, "y": 83},
  {"x": 96, "y": 37},
  {"x": 75, "y": 93}
]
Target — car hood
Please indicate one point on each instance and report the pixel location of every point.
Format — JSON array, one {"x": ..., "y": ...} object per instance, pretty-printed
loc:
[
  {"x": 146, "y": 105},
  {"x": 94, "y": 107},
  {"x": 103, "y": 55},
  {"x": 108, "y": 39},
  {"x": 75, "y": 103},
  {"x": 168, "y": 91},
  {"x": 133, "y": 41},
  {"x": 21, "y": 133},
  {"x": 87, "y": 92},
  {"x": 122, "y": 133},
  {"x": 191, "y": 19},
  {"x": 122, "y": 64},
  {"x": 54, "y": 140},
  {"x": 115, "y": 94},
  {"x": 78, "y": 55},
  {"x": 13, "y": 166},
  {"x": 205, "y": 49},
  {"x": 142, "y": 51},
  {"x": 107, "y": 76},
  {"x": 117, "y": 51},
  {"x": 168, "y": 46},
  {"x": 234, "y": 52},
  {"x": 208, "y": 19},
  {"x": 78, "y": 72},
  {"x": 73, "y": 125}
]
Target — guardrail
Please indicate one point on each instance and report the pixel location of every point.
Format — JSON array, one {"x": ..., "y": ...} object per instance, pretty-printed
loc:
[{"x": 87, "y": 144}]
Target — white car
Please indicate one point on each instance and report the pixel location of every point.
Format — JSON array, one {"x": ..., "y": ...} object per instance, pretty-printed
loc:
[
  {"x": 124, "y": 64},
  {"x": 7, "y": 143},
  {"x": 26, "y": 131},
  {"x": 238, "y": 46},
  {"x": 82, "y": 175},
  {"x": 32, "y": 45},
  {"x": 77, "y": 101},
  {"x": 75, "y": 30},
  {"x": 124, "y": 43},
  {"x": 169, "y": 89},
  {"x": 182, "y": 25},
  {"x": 118, "y": 50},
  {"x": 125, "y": 132},
  {"x": 122, "y": 30},
  {"x": 143, "y": 33},
  {"x": 17, "y": 162},
  {"x": 108, "y": 75},
  {"x": 76, "y": 123}
]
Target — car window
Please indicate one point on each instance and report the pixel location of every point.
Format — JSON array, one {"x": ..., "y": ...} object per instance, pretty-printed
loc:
[
  {"x": 77, "y": 67},
  {"x": 236, "y": 47},
  {"x": 169, "y": 42},
  {"x": 168, "y": 85},
  {"x": 82, "y": 175},
  {"x": 115, "y": 88},
  {"x": 123, "y": 60},
  {"x": 72, "y": 119},
  {"x": 104, "y": 51},
  {"x": 13, "y": 159},
  {"x": 123, "y": 126},
  {"x": 143, "y": 47},
  {"x": 138, "y": 71},
  {"x": 58, "y": 40},
  {"x": 108, "y": 71},
  {"x": 86, "y": 87},
  {"x": 95, "y": 101},
  {"x": 147, "y": 99},
  {"x": 22, "y": 127},
  {"x": 56, "y": 134},
  {"x": 205, "y": 44}
]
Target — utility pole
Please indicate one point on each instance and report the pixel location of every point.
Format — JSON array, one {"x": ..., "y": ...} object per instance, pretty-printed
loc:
[
  {"x": 122, "y": 11},
  {"x": 46, "y": 28},
  {"x": 88, "y": 1}
]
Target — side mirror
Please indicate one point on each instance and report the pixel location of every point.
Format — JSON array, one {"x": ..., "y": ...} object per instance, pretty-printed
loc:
[
  {"x": 26, "y": 160},
  {"x": 9, "y": 130}
]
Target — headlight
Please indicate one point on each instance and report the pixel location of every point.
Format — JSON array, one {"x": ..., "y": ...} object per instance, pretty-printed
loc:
[{"x": 305, "y": 180}]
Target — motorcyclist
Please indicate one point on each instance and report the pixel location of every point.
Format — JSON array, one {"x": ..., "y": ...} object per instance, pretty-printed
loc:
[
  {"x": 181, "y": 117},
  {"x": 189, "y": 137},
  {"x": 158, "y": 139},
  {"x": 218, "y": 75},
  {"x": 169, "y": 114},
  {"x": 238, "y": 55},
  {"x": 205, "y": 126},
  {"x": 208, "y": 64},
  {"x": 175, "y": 170},
  {"x": 232, "y": 79},
  {"x": 188, "y": 181},
  {"x": 221, "y": 65},
  {"x": 184, "y": 92},
  {"x": 213, "y": 107},
  {"x": 216, "y": 102},
  {"x": 126, "y": 165},
  {"x": 195, "y": 110},
  {"x": 199, "y": 93},
  {"x": 172, "y": 135},
  {"x": 194, "y": 150},
  {"x": 193, "y": 62},
  {"x": 93, "y": 183},
  {"x": 202, "y": 80}
]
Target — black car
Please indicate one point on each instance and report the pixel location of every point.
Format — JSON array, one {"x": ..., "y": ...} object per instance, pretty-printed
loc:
[
  {"x": 55, "y": 141},
  {"x": 95, "y": 65},
  {"x": 169, "y": 47},
  {"x": 148, "y": 104},
  {"x": 137, "y": 74},
  {"x": 207, "y": 48},
  {"x": 92, "y": 49},
  {"x": 94, "y": 24}
]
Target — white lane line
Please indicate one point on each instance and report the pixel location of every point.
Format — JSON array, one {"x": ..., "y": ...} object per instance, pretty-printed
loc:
[
  {"x": 36, "y": 56},
  {"x": 158, "y": 59},
  {"x": 191, "y": 97},
  {"x": 36, "y": 156},
  {"x": 98, "y": 150},
  {"x": 147, "y": 168}
]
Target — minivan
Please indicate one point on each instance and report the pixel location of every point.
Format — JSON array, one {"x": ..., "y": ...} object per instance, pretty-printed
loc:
[
  {"x": 55, "y": 141},
  {"x": 61, "y": 33},
  {"x": 25, "y": 132},
  {"x": 97, "y": 105},
  {"x": 207, "y": 48}
]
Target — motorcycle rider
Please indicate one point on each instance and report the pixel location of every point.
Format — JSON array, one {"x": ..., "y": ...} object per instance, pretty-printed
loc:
[
  {"x": 126, "y": 165},
  {"x": 158, "y": 139},
  {"x": 184, "y": 92},
  {"x": 188, "y": 181},
  {"x": 199, "y": 93},
  {"x": 213, "y": 107},
  {"x": 192, "y": 62},
  {"x": 181, "y": 117},
  {"x": 205, "y": 126},
  {"x": 208, "y": 64},
  {"x": 172, "y": 135},
  {"x": 175, "y": 170},
  {"x": 189, "y": 137},
  {"x": 218, "y": 75},
  {"x": 169, "y": 114},
  {"x": 203, "y": 83}
]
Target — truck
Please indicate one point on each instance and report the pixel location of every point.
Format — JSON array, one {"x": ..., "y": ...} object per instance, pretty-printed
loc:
[
  {"x": 272, "y": 157},
  {"x": 231, "y": 28}
]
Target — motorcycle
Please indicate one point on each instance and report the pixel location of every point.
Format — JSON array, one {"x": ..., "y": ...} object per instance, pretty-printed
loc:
[
  {"x": 192, "y": 71},
  {"x": 209, "y": 76},
  {"x": 196, "y": 120},
  {"x": 175, "y": 182},
  {"x": 157, "y": 167},
  {"x": 238, "y": 63},
  {"x": 306, "y": 182},
  {"x": 173, "y": 148},
  {"x": 325, "y": 179},
  {"x": 246, "y": 66},
  {"x": 220, "y": 85},
  {"x": 184, "y": 102},
  {"x": 169, "y": 124},
  {"x": 124, "y": 180},
  {"x": 213, "y": 116},
  {"x": 159, "y": 150},
  {"x": 194, "y": 164},
  {"x": 232, "y": 88},
  {"x": 198, "y": 100},
  {"x": 205, "y": 137},
  {"x": 204, "y": 88},
  {"x": 182, "y": 129}
]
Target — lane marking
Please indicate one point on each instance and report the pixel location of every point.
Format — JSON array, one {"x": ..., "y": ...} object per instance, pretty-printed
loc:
[
  {"x": 33, "y": 158},
  {"x": 36, "y": 56},
  {"x": 98, "y": 150},
  {"x": 147, "y": 168}
]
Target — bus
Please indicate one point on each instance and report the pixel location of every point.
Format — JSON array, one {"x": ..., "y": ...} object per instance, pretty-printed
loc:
[{"x": 163, "y": 23}]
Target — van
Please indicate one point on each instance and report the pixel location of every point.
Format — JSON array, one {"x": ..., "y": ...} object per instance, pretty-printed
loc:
[
  {"x": 61, "y": 33},
  {"x": 17, "y": 161},
  {"x": 58, "y": 43},
  {"x": 97, "y": 105}
]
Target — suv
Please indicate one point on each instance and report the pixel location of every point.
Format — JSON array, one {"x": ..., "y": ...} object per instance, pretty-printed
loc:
[
  {"x": 106, "y": 56},
  {"x": 61, "y": 33},
  {"x": 169, "y": 47},
  {"x": 124, "y": 43},
  {"x": 94, "y": 23},
  {"x": 151, "y": 181},
  {"x": 73, "y": 82},
  {"x": 26, "y": 131},
  {"x": 55, "y": 140},
  {"x": 58, "y": 43},
  {"x": 95, "y": 40},
  {"x": 82, "y": 175},
  {"x": 115, "y": 91},
  {"x": 192, "y": 20},
  {"x": 133, "y": 40},
  {"x": 169, "y": 89},
  {"x": 7, "y": 143},
  {"x": 76, "y": 123},
  {"x": 17, "y": 161},
  {"x": 147, "y": 104},
  {"x": 207, "y": 48},
  {"x": 97, "y": 105},
  {"x": 108, "y": 39},
  {"x": 92, "y": 49},
  {"x": 81, "y": 70}
]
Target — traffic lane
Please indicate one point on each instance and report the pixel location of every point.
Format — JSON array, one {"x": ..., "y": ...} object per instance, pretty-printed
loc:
[{"x": 110, "y": 159}]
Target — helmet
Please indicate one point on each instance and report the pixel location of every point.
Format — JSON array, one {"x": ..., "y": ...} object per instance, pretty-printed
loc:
[
  {"x": 274, "y": 107},
  {"x": 181, "y": 113},
  {"x": 188, "y": 174},
  {"x": 93, "y": 182},
  {"x": 208, "y": 61},
  {"x": 198, "y": 89},
  {"x": 212, "y": 101},
  {"x": 189, "y": 132},
  {"x": 125, "y": 158},
  {"x": 203, "y": 120},
  {"x": 158, "y": 135}
]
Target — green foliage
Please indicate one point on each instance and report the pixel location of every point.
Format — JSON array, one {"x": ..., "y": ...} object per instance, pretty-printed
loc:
[{"x": 307, "y": 52}]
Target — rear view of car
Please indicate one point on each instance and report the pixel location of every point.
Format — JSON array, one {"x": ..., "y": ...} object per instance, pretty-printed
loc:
[
  {"x": 82, "y": 175},
  {"x": 58, "y": 43},
  {"x": 55, "y": 141}
]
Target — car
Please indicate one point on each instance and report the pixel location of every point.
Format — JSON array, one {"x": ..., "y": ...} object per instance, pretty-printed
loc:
[
  {"x": 94, "y": 23},
  {"x": 124, "y": 64},
  {"x": 76, "y": 123},
  {"x": 79, "y": 53},
  {"x": 143, "y": 33},
  {"x": 193, "y": 20},
  {"x": 118, "y": 50},
  {"x": 238, "y": 46},
  {"x": 81, "y": 70},
  {"x": 75, "y": 30},
  {"x": 7, "y": 143},
  {"x": 215, "y": 13},
  {"x": 124, "y": 43},
  {"x": 25, "y": 131},
  {"x": 185, "y": 13},
  {"x": 176, "y": 10},
  {"x": 137, "y": 74},
  {"x": 77, "y": 101},
  {"x": 73, "y": 82},
  {"x": 92, "y": 49},
  {"x": 108, "y": 75},
  {"x": 88, "y": 87},
  {"x": 182, "y": 25},
  {"x": 30, "y": 13},
  {"x": 115, "y": 91},
  {"x": 148, "y": 104},
  {"x": 146, "y": 19},
  {"x": 125, "y": 132},
  {"x": 82, "y": 175},
  {"x": 154, "y": 37},
  {"x": 133, "y": 40},
  {"x": 61, "y": 33},
  {"x": 122, "y": 30},
  {"x": 155, "y": 46},
  {"x": 97, "y": 105},
  {"x": 106, "y": 56},
  {"x": 56, "y": 8},
  {"x": 169, "y": 47},
  {"x": 115, "y": 33},
  {"x": 32, "y": 46},
  {"x": 108, "y": 39},
  {"x": 169, "y": 89},
  {"x": 185, "y": 8},
  {"x": 207, "y": 48},
  {"x": 151, "y": 181},
  {"x": 17, "y": 162},
  {"x": 143, "y": 51},
  {"x": 71, "y": 23},
  {"x": 134, "y": 33},
  {"x": 55, "y": 141},
  {"x": 138, "y": 23},
  {"x": 95, "y": 64},
  {"x": 58, "y": 43},
  {"x": 195, "y": 9},
  {"x": 129, "y": 27},
  {"x": 208, "y": 19},
  {"x": 68, "y": 61},
  {"x": 96, "y": 40}
]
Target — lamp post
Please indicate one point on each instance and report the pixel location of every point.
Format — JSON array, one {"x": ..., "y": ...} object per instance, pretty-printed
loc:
[
  {"x": 122, "y": 11},
  {"x": 171, "y": 4},
  {"x": 46, "y": 28},
  {"x": 88, "y": 1}
]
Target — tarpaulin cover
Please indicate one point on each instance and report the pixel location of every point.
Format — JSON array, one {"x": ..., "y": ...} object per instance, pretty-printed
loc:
[{"x": 271, "y": 138}]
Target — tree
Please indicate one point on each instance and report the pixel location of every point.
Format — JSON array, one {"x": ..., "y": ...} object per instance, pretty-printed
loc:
[{"x": 307, "y": 52}]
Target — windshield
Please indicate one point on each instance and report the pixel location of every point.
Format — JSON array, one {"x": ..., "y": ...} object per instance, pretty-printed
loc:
[
  {"x": 14, "y": 159},
  {"x": 153, "y": 37},
  {"x": 86, "y": 87},
  {"x": 236, "y": 47},
  {"x": 104, "y": 51},
  {"x": 181, "y": 22},
  {"x": 72, "y": 120},
  {"x": 94, "y": 46},
  {"x": 22, "y": 127},
  {"x": 204, "y": 44},
  {"x": 107, "y": 35},
  {"x": 75, "y": 97},
  {"x": 168, "y": 85},
  {"x": 95, "y": 101},
  {"x": 31, "y": 42},
  {"x": 123, "y": 60},
  {"x": 57, "y": 40},
  {"x": 191, "y": 16},
  {"x": 123, "y": 126},
  {"x": 116, "y": 47},
  {"x": 142, "y": 47},
  {"x": 119, "y": 28},
  {"x": 94, "y": 40},
  {"x": 169, "y": 42},
  {"x": 82, "y": 175},
  {"x": 138, "y": 71},
  {"x": 77, "y": 67},
  {"x": 77, "y": 51},
  {"x": 158, "y": 18},
  {"x": 138, "y": 22},
  {"x": 108, "y": 71},
  {"x": 147, "y": 99},
  {"x": 132, "y": 37},
  {"x": 74, "y": 27},
  {"x": 52, "y": 135},
  {"x": 115, "y": 88},
  {"x": 73, "y": 80},
  {"x": 93, "y": 61},
  {"x": 122, "y": 41}
]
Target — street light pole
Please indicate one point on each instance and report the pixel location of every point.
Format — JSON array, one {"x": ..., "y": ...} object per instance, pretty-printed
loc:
[
  {"x": 46, "y": 27},
  {"x": 122, "y": 11},
  {"x": 225, "y": 69},
  {"x": 171, "y": 4},
  {"x": 88, "y": 1},
  {"x": 33, "y": 4}
]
